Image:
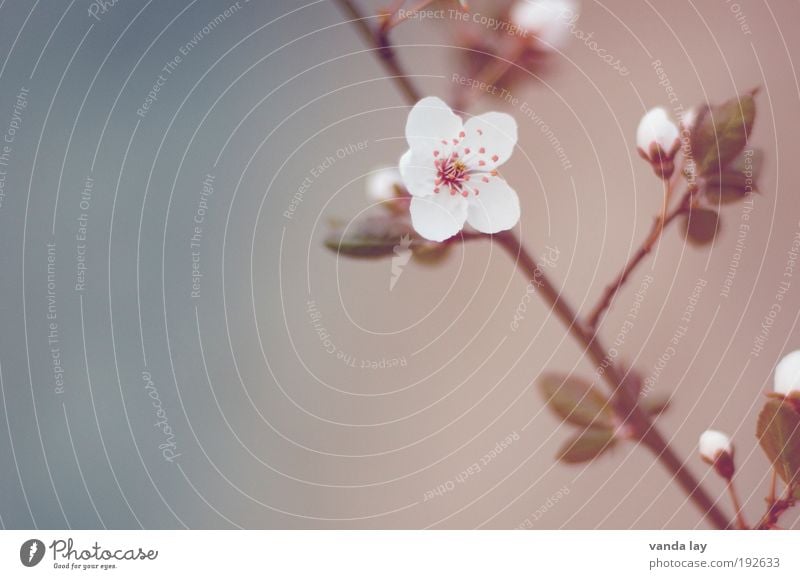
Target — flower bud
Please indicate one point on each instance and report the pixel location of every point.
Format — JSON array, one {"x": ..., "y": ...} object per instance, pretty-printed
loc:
[
  {"x": 716, "y": 449},
  {"x": 547, "y": 20},
  {"x": 384, "y": 185},
  {"x": 688, "y": 119},
  {"x": 658, "y": 141},
  {"x": 787, "y": 375}
]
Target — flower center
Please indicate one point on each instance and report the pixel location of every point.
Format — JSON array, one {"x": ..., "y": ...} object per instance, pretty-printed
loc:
[
  {"x": 454, "y": 175},
  {"x": 454, "y": 171}
]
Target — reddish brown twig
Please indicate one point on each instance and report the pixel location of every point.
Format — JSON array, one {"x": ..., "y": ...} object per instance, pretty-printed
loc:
[
  {"x": 659, "y": 224},
  {"x": 737, "y": 506},
  {"x": 379, "y": 40}
]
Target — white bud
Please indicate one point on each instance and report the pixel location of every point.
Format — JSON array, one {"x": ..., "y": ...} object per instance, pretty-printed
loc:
[
  {"x": 656, "y": 128},
  {"x": 787, "y": 374},
  {"x": 547, "y": 20},
  {"x": 713, "y": 443},
  {"x": 688, "y": 118},
  {"x": 382, "y": 184}
]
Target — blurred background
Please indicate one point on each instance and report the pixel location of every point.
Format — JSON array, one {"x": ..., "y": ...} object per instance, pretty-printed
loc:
[{"x": 179, "y": 349}]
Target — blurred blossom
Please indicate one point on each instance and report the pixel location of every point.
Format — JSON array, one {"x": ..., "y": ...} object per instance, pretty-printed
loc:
[
  {"x": 384, "y": 184},
  {"x": 547, "y": 20},
  {"x": 714, "y": 443},
  {"x": 689, "y": 117},
  {"x": 657, "y": 135}
]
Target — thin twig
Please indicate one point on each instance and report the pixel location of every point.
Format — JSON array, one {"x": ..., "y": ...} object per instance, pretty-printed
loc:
[
  {"x": 659, "y": 224},
  {"x": 773, "y": 487},
  {"x": 737, "y": 506},
  {"x": 380, "y": 41}
]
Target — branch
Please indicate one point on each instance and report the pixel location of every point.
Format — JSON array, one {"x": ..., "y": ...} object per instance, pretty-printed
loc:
[
  {"x": 626, "y": 403},
  {"x": 659, "y": 223},
  {"x": 379, "y": 40}
]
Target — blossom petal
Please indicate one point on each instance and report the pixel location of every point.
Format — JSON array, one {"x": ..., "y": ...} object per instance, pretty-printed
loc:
[
  {"x": 491, "y": 138},
  {"x": 418, "y": 173},
  {"x": 495, "y": 209},
  {"x": 430, "y": 122},
  {"x": 438, "y": 217}
]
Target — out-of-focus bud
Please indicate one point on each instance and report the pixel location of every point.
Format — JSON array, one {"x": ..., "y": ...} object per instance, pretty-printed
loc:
[
  {"x": 787, "y": 375},
  {"x": 547, "y": 20},
  {"x": 464, "y": 4},
  {"x": 716, "y": 449},
  {"x": 688, "y": 119},
  {"x": 385, "y": 186},
  {"x": 658, "y": 141}
]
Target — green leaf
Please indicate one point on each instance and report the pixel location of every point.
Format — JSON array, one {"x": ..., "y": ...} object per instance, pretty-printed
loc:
[
  {"x": 701, "y": 226},
  {"x": 576, "y": 401},
  {"x": 737, "y": 181},
  {"x": 720, "y": 133},
  {"x": 381, "y": 234},
  {"x": 778, "y": 432},
  {"x": 587, "y": 445}
]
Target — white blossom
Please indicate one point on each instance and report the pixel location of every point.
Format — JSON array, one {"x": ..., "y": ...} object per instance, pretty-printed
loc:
[{"x": 450, "y": 170}]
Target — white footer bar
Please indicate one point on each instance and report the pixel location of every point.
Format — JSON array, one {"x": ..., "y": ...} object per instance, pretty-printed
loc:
[{"x": 400, "y": 554}]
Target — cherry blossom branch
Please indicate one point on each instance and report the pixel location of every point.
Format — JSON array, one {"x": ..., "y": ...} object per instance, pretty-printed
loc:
[
  {"x": 380, "y": 41},
  {"x": 659, "y": 224},
  {"x": 626, "y": 403}
]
